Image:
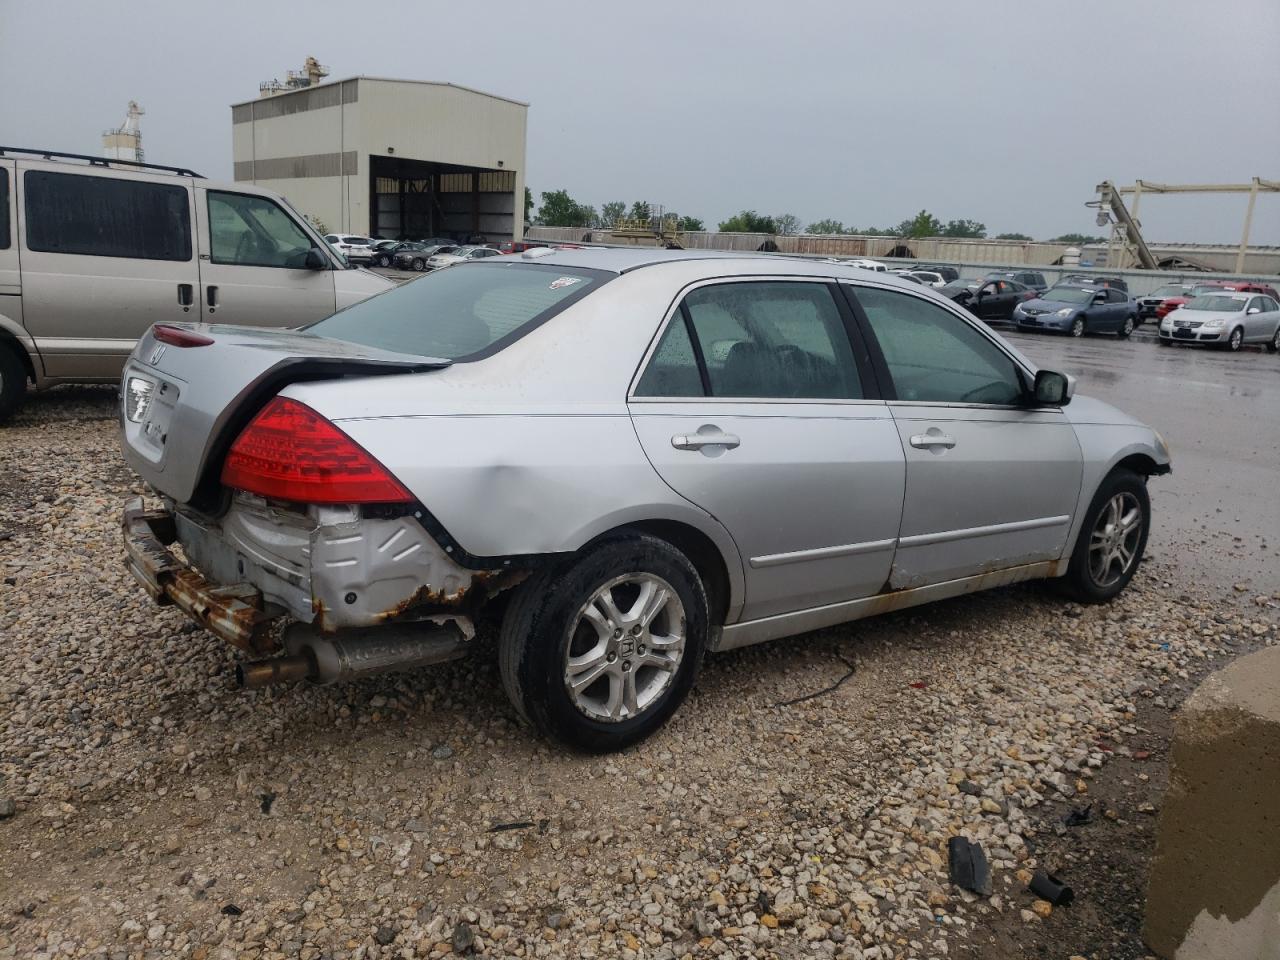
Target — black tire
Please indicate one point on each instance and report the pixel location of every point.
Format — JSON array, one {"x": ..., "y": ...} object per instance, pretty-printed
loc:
[
  {"x": 1077, "y": 327},
  {"x": 1273, "y": 345},
  {"x": 1081, "y": 583},
  {"x": 1126, "y": 328},
  {"x": 1235, "y": 340},
  {"x": 542, "y": 625},
  {"x": 419, "y": 264},
  {"x": 13, "y": 382},
  {"x": 384, "y": 261}
]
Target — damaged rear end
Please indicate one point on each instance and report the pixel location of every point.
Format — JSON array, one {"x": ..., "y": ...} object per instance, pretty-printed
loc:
[{"x": 275, "y": 530}]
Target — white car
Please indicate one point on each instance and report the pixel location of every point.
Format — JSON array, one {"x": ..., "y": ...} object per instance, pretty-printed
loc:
[
  {"x": 865, "y": 264},
  {"x": 459, "y": 255},
  {"x": 1226, "y": 319},
  {"x": 927, "y": 278},
  {"x": 355, "y": 248}
]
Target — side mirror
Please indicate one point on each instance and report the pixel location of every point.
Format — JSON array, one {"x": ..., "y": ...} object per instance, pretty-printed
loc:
[
  {"x": 1052, "y": 389},
  {"x": 1254, "y": 310},
  {"x": 316, "y": 260}
]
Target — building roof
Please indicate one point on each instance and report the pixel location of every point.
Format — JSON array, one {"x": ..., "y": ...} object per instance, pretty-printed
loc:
[{"x": 427, "y": 83}]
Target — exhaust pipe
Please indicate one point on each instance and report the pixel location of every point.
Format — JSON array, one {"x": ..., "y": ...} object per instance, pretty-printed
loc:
[{"x": 359, "y": 653}]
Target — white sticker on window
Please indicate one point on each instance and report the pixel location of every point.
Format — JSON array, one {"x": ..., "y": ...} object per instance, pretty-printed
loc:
[{"x": 561, "y": 282}]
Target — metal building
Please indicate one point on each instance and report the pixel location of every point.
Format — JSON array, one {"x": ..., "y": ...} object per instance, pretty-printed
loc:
[{"x": 401, "y": 159}]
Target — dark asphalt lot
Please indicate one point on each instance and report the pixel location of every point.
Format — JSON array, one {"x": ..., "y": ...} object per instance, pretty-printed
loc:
[{"x": 1218, "y": 513}]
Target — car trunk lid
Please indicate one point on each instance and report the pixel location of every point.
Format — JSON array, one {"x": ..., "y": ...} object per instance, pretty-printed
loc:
[{"x": 182, "y": 406}]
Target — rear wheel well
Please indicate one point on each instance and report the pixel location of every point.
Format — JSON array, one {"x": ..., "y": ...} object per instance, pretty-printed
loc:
[
  {"x": 10, "y": 343},
  {"x": 702, "y": 553}
]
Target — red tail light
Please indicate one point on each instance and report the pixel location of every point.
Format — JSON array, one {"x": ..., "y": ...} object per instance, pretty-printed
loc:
[
  {"x": 177, "y": 337},
  {"x": 290, "y": 452}
]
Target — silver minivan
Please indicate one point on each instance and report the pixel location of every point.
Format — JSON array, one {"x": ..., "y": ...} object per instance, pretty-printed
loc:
[{"x": 93, "y": 252}]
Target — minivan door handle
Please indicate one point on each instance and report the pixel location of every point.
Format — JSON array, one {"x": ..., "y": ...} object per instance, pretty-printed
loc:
[
  {"x": 186, "y": 295},
  {"x": 707, "y": 436},
  {"x": 211, "y": 296}
]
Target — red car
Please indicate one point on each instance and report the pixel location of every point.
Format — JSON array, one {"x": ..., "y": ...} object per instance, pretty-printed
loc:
[
  {"x": 1213, "y": 286},
  {"x": 518, "y": 246}
]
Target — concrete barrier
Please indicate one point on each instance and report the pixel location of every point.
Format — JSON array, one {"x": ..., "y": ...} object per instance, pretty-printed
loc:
[{"x": 1215, "y": 880}]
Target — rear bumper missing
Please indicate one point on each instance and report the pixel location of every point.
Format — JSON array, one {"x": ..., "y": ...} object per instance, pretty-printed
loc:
[{"x": 234, "y": 613}]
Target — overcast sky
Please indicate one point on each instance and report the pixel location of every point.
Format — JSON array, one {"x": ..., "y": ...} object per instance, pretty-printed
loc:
[{"x": 1003, "y": 111}]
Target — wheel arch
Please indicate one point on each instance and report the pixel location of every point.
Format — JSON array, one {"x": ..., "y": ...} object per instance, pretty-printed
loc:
[{"x": 10, "y": 341}]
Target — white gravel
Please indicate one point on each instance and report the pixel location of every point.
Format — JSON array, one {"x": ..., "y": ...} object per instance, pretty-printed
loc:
[{"x": 160, "y": 812}]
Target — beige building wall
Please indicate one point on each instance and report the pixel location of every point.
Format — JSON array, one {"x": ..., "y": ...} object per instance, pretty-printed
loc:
[{"x": 313, "y": 145}]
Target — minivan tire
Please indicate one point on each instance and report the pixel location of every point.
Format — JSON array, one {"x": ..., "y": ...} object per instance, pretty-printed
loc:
[
  {"x": 1080, "y": 583},
  {"x": 13, "y": 382},
  {"x": 545, "y": 622}
]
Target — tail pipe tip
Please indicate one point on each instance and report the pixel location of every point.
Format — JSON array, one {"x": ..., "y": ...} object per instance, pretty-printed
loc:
[{"x": 264, "y": 673}]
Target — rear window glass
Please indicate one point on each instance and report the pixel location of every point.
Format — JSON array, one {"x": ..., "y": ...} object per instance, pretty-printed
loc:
[
  {"x": 4, "y": 209},
  {"x": 102, "y": 217},
  {"x": 463, "y": 312}
]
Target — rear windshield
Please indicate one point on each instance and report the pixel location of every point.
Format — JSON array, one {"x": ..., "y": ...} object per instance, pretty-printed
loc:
[{"x": 466, "y": 312}]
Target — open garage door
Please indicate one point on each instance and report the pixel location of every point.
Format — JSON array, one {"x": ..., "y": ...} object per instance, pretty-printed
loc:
[{"x": 416, "y": 199}]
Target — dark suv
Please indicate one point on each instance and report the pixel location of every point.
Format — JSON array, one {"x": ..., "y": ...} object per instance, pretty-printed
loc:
[
  {"x": 1028, "y": 278},
  {"x": 947, "y": 273}
]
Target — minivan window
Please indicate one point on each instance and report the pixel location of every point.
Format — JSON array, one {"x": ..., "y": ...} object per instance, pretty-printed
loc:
[
  {"x": 107, "y": 217},
  {"x": 464, "y": 313},
  {"x": 4, "y": 209},
  {"x": 250, "y": 231}
]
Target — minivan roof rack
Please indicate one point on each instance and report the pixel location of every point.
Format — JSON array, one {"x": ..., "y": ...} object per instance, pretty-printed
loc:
[{"x": 99, "y": 161}]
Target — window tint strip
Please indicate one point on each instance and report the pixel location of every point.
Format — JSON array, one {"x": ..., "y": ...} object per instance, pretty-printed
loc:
[
  {"x": 697, "y": 350},
  {"x": 4, "y": 208}
]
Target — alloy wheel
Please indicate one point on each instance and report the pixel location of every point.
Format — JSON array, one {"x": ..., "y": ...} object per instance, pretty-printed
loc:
[
  {"x": 1113, "y": 545},
  {"x": 1077, "y": 327},
  {"x": 1236, "y": 339},
  {"x": 1128, "y": 327},
  {"x": 625, "y": 646}
]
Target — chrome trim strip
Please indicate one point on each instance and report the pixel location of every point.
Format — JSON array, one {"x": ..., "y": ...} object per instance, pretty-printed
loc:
[
  {"x": 822, "y": 553},
  {"x": 802, "y": 621},
  {"x": 946, "y": 536}
]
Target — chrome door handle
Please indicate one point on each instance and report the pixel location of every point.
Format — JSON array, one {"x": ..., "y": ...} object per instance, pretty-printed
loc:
[
  {"x": 696, "y": 441},
  {"x": 925, "y": 440}
]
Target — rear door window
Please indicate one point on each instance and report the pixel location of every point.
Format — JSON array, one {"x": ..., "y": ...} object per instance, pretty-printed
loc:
[
  {"x": 250, "y": 231},
  {"x": 107, "y": 217}
]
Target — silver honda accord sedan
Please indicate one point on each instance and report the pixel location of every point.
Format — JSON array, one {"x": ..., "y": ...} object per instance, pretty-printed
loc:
[{"x": 627, "y": 458}]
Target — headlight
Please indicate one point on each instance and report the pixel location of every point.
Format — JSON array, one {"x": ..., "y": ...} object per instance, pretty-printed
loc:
[
  {"x": 137, "y": 398},
  {"x": 1215, "y": 324},
  {"x": 1065, "y": 312}
]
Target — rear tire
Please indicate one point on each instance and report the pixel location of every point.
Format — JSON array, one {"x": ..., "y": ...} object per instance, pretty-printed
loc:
[
  {"x": 1126, "y": 328},
  {"x": 13, "y": 382},
  {"x": 559, "y": 627},
  {"x": 1273, "y": 345},
  {"x": 1110, "y": 545}
]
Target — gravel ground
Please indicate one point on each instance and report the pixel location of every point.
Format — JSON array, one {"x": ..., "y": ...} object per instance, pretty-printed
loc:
[{"x": 157, "y": 811}]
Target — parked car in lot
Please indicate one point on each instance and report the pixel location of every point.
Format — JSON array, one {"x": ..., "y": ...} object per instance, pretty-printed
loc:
[
  {"x": 1094, "y": 280},
  {"x": 518, "y": 246},
  {"x": 447, "y": 258},
  {"x": 989, "y": 299},
  {"x": 926, "y": 277},
  {"x": 415, "y": 255},
  {"x": 947, "y": 273},
  {"x": 1214, "y": 286},
  {"x": 641, "y": 455},
  {"x": 866, "y": 264},
  {"x": 355, "y": 248},
  {"x": 1032, "y": 279},
  {"x": 104, "y": 249},
  {"x": 1149, "y": 305},
  {"x": 1227, "y": 319},
  {"x": 1077, "y": 310}
]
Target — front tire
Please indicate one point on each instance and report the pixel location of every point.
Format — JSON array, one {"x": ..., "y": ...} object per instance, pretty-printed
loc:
[
  {"x": 1112, "y": 539},
  {"x": 1236, "y": 340},
  {"x": 1077, "y": 327},
  {"x": 419, "y": 264},
  {"x": 599, "y": 653}
]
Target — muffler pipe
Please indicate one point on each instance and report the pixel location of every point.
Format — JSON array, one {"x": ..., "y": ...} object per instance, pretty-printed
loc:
[
  {"x": 358, "y": 653},
  {"x": 264, "y": 673}
]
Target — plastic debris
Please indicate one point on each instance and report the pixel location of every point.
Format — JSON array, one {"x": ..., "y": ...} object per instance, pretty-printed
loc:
[
  {"x": 968, "y": 866},
  {"x": 1048, "y": 887}
]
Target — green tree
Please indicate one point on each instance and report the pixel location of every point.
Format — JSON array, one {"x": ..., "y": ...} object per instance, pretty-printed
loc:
[
  {"x": 691, "y": 223},
  {"x": 640, "y": 211},
  {"x": 1076, "y": 239},
  {"x": 827, "y": 226},
  {"x": 1012, "y": 236},
  {"x": 748, "y": 221},
  {"x": 923, "y": 224},
  {"x": 611, "y": 213},
  {"x": 561, "y": 210},
  {"x": 788, "y": 224},
  {"x": 964, "y": 228},
  {"x": 528, "y": 206}
]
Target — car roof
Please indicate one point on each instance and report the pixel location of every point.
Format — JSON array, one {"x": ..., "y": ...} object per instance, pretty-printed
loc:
[{"x": 627, "y": 259}]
